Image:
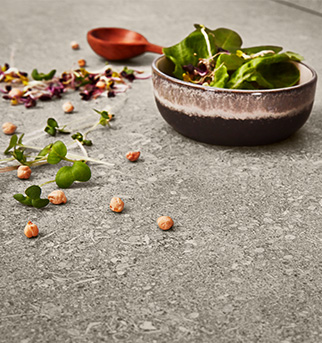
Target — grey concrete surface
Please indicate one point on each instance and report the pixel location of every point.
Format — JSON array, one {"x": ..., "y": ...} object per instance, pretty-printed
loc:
[{"x": 243, "y": 260}]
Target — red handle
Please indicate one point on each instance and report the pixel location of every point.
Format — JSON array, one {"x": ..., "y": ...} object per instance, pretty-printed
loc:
[{"x": 154, "y": 48}]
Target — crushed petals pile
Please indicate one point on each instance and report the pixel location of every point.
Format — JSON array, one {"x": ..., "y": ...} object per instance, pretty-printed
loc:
[{"x": 88, "y": 84}]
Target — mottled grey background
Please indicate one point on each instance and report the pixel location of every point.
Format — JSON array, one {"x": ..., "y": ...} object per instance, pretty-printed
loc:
[{"x": 243, "y": 261}]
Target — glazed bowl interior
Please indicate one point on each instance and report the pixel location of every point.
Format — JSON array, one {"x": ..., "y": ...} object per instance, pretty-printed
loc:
[{"x": 232, "y": 116}]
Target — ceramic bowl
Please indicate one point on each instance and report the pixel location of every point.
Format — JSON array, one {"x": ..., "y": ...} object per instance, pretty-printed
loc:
[{"x": 232, "y": 117}]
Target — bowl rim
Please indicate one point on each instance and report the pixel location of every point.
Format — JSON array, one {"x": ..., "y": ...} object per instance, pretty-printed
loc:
[{"x": 229, "y": 90}]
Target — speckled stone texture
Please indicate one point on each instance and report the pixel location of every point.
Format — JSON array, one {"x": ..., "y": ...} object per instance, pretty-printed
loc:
[{"x": 243, "y": 260}]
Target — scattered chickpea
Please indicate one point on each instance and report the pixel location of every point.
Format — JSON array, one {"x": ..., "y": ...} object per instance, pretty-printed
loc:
[
  {"x": 31, "y": 230},
  {"x": 165, "y": 222},
  {"x": 15, "y": 93},
  {"x": 57, "y": 197},
  {"x": 116, "y": 205},
  {"x": 82, "y": 63},
  {"x": 24, "y": 172},
  {"x": 133, "y": 155},
  {"x": 74, "y": 45},
  {"x": 9, "y": 128},
  {"x": 101, "y": 84},
  {"x": 68, "y": 107}
]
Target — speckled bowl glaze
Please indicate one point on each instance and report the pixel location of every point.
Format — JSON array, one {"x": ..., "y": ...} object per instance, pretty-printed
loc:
[{"x": 232, "y": 117}]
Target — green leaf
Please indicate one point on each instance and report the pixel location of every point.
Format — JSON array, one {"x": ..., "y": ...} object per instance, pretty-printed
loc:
[
  {"x": 57, "y": 153},
  {"x": 189, "y": 51},
  {"x": 231, "y": 61},
  {"x": 52, "y": 122},
  {"x": 19, "y": 156},
  {"x": 256, "y": 49},
  {"x": 33, "y": 192},
  {"x": 39, "y": 203},
  {"x": 227, "y": 39},
  {"x": 64, "y": 177},
  {"x": 41, "y": 76},
  {"x": 81, "y": 171},
  {"x": 45, "y": 151},
  {"x": 274, "y": 71},
  {"x": 50, "y": 130},
  {"x": 12, "y": 143},
  {"x": 220, "y": 77},
  {"x": 22, "y": 199},
  {"x": 33, "y": 197},
  {"x": 20, "y": 139}
]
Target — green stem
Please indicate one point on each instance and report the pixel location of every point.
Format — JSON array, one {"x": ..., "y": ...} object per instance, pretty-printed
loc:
[{"x": 46, "y": 183}]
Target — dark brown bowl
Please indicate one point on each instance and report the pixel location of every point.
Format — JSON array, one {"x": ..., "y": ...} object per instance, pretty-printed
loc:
[{"x": 232, "y": 117}]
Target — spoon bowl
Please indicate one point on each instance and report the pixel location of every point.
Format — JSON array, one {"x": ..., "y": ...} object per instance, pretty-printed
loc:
[{"x": 116, "y": 44}]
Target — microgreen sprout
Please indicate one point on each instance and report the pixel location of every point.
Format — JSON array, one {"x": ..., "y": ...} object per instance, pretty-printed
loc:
[
  {"x": 79, "y": 137},
  {"x": 41, "y": 76},
  {"x": 52, "y": 127}
]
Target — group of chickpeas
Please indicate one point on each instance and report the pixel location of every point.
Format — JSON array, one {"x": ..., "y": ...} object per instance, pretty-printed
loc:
[{"x": 58, "y": 197}]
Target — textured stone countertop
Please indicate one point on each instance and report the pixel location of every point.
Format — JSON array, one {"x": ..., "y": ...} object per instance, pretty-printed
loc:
[{"x": 243, "y": 260}]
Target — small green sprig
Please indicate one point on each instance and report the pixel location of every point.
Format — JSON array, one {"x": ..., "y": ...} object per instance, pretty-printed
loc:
[
  {"x": 32, "y": 197},
  {"x": 41, "y": 76},
  {"x": 79, "y": 137},
  {"x": 52, "y": 127}
]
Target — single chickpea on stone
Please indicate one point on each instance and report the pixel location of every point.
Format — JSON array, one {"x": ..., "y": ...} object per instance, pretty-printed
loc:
[
  {"x": 24, "y": 172},
  {"x": 31, "y": 230},
  {"x": 68, "y": 107},
  {"x": 74, "y": 45},
  {"x": 9, "y": 128},
  {"x": 101, "y": 84},
  {"x": 116, "y": 205},
  {"x": 15, "y": 93},
  {"x": 133, "y": 155},
  {"x": 165, "y": 222},
  {"x": 57, "y": 197},
  {"x": 82, "y": 63}
]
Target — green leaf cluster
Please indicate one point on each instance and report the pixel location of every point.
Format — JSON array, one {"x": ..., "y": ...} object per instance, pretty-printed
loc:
[
  {"x": 228, "y": 65},
  {"x": 66, "y": 175},
  {"x": 52, "y": 127},
  {"x": 32, "y": 197},
  {"x": 79, "y": 137}
]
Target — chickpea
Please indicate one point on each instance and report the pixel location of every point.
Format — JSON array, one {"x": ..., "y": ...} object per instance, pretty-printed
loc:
[
  {"x": 165, "y": 222},
  {"x": 24, "y": 172},
  {"x": 15, "y": 93},
  {"x": 116, "y": 204},
  {"x": 31, "y": 230},
  {"x": 74, "y": 45},
  {"x": 133, "y": 155},
  {"x": 101, "y": 84},
  {"x": 68, "y": 107},
  {"x": 57, "y": 197},
  {"x": 82, "y": 63},
  {"x": 9, "y": 128}
]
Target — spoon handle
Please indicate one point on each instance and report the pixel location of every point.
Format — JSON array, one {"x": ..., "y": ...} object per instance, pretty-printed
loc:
[{"x": 154, "y": 48}]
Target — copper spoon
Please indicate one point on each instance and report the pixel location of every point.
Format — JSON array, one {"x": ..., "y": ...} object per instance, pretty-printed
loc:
[{"x": 115, "y": 43}]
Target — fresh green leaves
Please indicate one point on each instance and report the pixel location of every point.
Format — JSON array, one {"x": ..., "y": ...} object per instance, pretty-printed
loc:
[
  {"x": 230, "y": 65},
  {"x": 52, "y": 127},
  {"x": 105, "y": 117},
  {"x": 79, "y": 137},
  {"x": 274, "y": 71},
  {"x": 41, "y": 76},
  {"x": 57, "y": 152},
  {"x": 32, "y": 197},
  {"x": 66, "y": 175}
]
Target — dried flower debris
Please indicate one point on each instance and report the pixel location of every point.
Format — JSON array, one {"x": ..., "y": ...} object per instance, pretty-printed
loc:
[{"x": 22, "y": 89}]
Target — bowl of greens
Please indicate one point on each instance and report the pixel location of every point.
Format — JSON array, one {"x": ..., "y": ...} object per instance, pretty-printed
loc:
[{"x": 211, "y": 89}]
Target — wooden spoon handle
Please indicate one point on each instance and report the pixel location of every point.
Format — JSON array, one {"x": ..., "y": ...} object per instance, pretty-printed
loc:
[{"x": 154, "y": 48}]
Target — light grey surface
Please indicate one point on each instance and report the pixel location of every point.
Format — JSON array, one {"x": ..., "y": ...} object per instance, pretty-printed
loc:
[{"x": 243, "y": 261}]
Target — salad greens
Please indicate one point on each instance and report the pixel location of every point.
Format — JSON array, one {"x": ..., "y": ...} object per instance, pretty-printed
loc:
[{"x": 216, "y": 58}]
